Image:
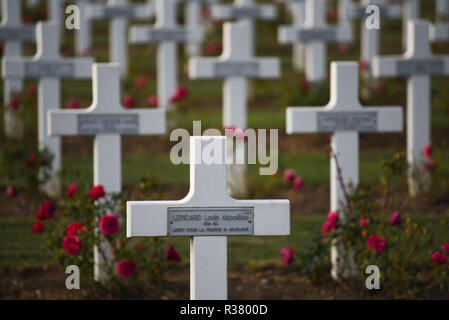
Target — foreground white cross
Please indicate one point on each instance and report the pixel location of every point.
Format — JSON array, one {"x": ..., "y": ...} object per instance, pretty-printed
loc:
[
  {"x": 119, "y": 12},
  {"x": 236, "y": 65},
  {"x": 49, "y": 67},
  {"x": 13, "y": 33},
  {"x": 344, "y": 117},
  {"x": 418, "y": 64},
  {"x": 315, "y": 33},
  {"x": 167, "y": 33},
  {"x": 208, "y": 215},
  {"x": 247, "y": 11},
  {"x": 107, "y": 121}
]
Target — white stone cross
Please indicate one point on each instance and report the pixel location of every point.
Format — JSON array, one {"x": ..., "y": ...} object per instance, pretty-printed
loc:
[
  {"x": 208, "y": 215},
  {"x": 49, "y": 67},
  {"x": 439, "y": 32},
  {"x": 193, "y": 21},
  {"x": 119, "y": 12},
  {"x": 83, "y": 36},
  {"x": 315, "y": 33},
  {"x": 107, "y": 121},
  {"x": 55, "y": 15},
  {"x": 297, "y": 9},
  {"x": 344, "y": 117},
  {"x": 245, "y": 10},
  {"x": 13, "y": 33},
  {"x": 418, "y": 64},
  {"x": 167, "y": 34},
  {"x": 411, "y": 11}
]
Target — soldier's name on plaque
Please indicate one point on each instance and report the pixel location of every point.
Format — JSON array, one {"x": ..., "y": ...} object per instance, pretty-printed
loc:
[
  {"x": 17, "y": 34},
  {"x": 316, "y": 35},
  {"x": 239, "y": 13},
  {"x": 421, "y": 66},
  {"x": 167, "y": 35},
  {"x": 118, "y": 12},
  {"x": 347, "y": 121},
  {"x": 49, "y": 69},
  {"x": 210, "y": 221},
  {"x": 242, "y": 69},
  {"x": 92, "y": 124}
]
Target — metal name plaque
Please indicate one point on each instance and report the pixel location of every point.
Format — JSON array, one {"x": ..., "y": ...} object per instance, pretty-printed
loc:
[
  {"x": 25, "y": 34},
  {"x": 92, "y": 124},
  {"x": 237, "y": 69},
  {"x": 210, "y": 221},
  {"x": 347, "y": 121},
  {"x": 167, "y": 35},
  {"x": 317, "y": 35},
  {"x": 423, "y": 66},
  {"x": 239, "y": 13},
  {"x": 49, "y": 69},
  {"x": 118, "y": 12}
]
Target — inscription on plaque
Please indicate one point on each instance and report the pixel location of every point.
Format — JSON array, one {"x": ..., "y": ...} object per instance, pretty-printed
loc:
[
  {"x": 167, "y": 35},
  {"x": 242, "y": 69},
  {"x": 17, "y": 34},
  {"x": 49, "y": 69},
  {"x": 347, "y": 121},
  {"x": 434, "y": 66},
  {"x": 210, "y": 221},
  {"x": 239, "y": 13},
  {"x": 317, "y": 35},
  {"x": 118, "y": 12},
  {"x": 92, "y": 124}
]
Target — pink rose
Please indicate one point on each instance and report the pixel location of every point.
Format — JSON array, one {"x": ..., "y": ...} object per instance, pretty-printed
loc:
[
  {"x": 298, "y": 183},
  {"x": 363, "y": 65},
  {"x": 141, "y": 82},
  {"x": 180, "y": 93},
  {"x": 377, "y": 243},
  {"x": 152, "y": 101},
  {"x": 73, "y": 189},
  {"x": 395, "y": 219},
  {"x": 126, "y": 268},
  {"x": 48, "y": 208},
  {"x": 32, "y": 90},
  {"x": 38, "y": 227},
  {"x": 73, "y": 228},
  {"x": 363, "y": 222},
  {"x": 109, "y": 224},
  {"x": 445, "y": 247},
  {"x": 128, "y": 101},
  {"x": 439, "y": 258},
  {"x": 172, "y": 255},
  {"x": 331, "y": 224},
  {"x": 71, "y": 244},
  {"x": 73, "y": 104},
  {"x": 14, "y": 103},
  {"x": 11, "y": 191},
  {"x": 287, "y": 255},
  {"x": 96, "y": 192},
  {"x": 427, "y": 150},
  {"x": 289, "y": 175}
]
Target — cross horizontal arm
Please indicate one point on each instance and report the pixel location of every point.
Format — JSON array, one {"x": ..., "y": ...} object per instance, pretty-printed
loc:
[
  {"x": 145, "y": 34},
  {"x": 439, "y": 32},
  {"x": 294, "y": 34},
  {"x": 260, "y": 11}
]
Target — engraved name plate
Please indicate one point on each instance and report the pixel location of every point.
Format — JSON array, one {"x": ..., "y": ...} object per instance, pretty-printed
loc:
[
  {"x": 317, "y": 35},
  {"x": 239, "y": 13},
  {"x": 347, "y": 121},
  {"x": 118, "y": 12},
  {"x": 242, "y": 69},
  {"x": 167, "y": 35},
  {"x": 210, "y": 221},
  {"x": 49, "y": 69},
  {"x": 18, "y": 34},
  {"x": 407, "y": 68},
  {"x": 91, "y": 124}
]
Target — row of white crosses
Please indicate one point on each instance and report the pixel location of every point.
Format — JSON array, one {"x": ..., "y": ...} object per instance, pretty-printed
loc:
[
  {"x": 167, "y": 34},
  {"x": 13, "y": 33},
  {"x": 206, "y": 215},
  {"x": 236, "y": 65},
  {"x": 119, "y": 12},
  {"x": 107, "y": 121},
  {"x": 315, "y": 33},
  {"x": 247, "y": 11},
  {"x": 439, "y": 32},
  {"x": 344, "y": 117},
  {"x": 49, "y": 67},
  {"x": 418, "y": 64}
]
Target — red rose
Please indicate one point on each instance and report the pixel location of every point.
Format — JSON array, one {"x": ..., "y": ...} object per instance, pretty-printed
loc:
[
  {"x": 172, "y": 255},
  {"x": 126, "y": 268},
  {"x": 427, "y": 150},
  {"x": 377, "y": 243},
  {"x": 212, "y": 48},
  {"x": 363, "y": 222},
  {"x": 14, "y": 103},
  {"x": 363, "y": 64},
  {"x": 395, "y": 219},
  {"x": 73, "y": 189},
  {"x": 48, "y": 208},
  {"x": 128, "y": 101},
  {"x": 71, "y": 244},
  {"x": 305, "y": 83},
  {"x": 109, "y": 224},
  {"x": 11, "y": 191},
  {"x": 181, "y": 93},
  {"x": 152, "y": 101},
  {"x": 289, "y": 175},
  {"x": 298, "y": 183},
  {"x": 96, "y": 192},
  {"x": 141, "y": 82},
  {"x": 32, "y": 90},
  {"x": 73, "y": 228},
  {"x": 445, "y": 247},
  {"x": 439, "y": 258},
  {"x": 430, "y": 164},
  {"x": 38, "y": 227},
  {"x": 41, "y": 215},
  {"x": 331, "y": 224},
  {"x": 73, "y": 104},
  {"x": 31, "y": 161},
  {"x": 287, "y": 255},
  {"x": 343, "y": 49}
]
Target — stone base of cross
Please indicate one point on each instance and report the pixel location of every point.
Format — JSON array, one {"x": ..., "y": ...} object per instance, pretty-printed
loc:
[{"x": 208, "y": 215}]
